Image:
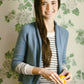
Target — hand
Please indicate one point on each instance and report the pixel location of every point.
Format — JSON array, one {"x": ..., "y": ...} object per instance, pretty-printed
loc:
[
  {"x": 68, "y": 75},
  {"x": 50, "y": 75}
]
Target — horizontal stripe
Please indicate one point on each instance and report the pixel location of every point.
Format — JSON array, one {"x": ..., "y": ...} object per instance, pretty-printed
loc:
[{"x": 54, "y": 60}]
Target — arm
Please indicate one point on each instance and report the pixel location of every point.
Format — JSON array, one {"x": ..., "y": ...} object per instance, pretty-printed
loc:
[
  {"x": 20, "y": 49},
  {"x": 31, "y": 70},
  {"x": 47, "y": 74},
  {"x": 24, "y": 68}
]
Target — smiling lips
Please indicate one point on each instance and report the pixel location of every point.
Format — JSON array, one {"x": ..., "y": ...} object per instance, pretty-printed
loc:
[{"x": 49, "y": 13}]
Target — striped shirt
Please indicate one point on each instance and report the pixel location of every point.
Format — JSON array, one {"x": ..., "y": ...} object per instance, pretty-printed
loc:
[{"x": 54, "y": 59}]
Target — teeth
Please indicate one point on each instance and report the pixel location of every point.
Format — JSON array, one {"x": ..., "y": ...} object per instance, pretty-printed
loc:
[{"x": 49, "y": 13}]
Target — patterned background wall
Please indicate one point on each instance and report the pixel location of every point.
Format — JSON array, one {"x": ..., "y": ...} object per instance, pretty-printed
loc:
[{"x": 15, "y": 13}]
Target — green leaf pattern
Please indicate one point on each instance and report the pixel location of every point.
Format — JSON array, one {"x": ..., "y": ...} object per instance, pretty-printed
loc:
[
  {"x": 80, "y": 75},
  {"x": 25, "y": 5},
  {"x": 80, "y": 36},
  {"x": 10, "y": 16},
  {"x": 1, "y": 2},
  {"x": 25, "y": 16},
  {"x": 1, "y": 80},
  {"x": 75, "y": 11},
  {"x": 0, "y": 38}
]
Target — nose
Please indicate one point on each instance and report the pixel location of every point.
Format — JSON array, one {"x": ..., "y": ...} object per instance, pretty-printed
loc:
[{"x": 49, "y": 7}]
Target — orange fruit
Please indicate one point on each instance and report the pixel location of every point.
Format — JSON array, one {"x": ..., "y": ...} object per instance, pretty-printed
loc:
[{"x": 62, "y": 78}]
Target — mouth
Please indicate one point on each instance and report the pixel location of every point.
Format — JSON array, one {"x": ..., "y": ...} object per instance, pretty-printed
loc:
[{"x": 49, "y": 13}]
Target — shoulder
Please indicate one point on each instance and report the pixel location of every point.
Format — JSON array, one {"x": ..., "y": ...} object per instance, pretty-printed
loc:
[
  {"x": 63, "y": 30},
  {"x": 28, "y": 27}
]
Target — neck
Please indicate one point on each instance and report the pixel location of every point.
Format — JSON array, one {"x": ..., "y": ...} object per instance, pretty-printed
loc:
[{"x": 49, "y": 25}]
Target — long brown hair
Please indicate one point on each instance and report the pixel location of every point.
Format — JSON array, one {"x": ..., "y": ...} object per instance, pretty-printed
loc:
[{"x": 46, "y": 51}]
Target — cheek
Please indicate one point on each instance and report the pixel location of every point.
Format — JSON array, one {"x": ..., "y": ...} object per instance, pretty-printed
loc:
[
  {"x": 42, "y": 9},
  {"x": 56, "y": 8}
]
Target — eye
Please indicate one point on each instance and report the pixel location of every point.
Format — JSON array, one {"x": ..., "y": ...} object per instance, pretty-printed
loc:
[
  {"x": 43, "y": 3},
  {"x": 53, "y": 2}
]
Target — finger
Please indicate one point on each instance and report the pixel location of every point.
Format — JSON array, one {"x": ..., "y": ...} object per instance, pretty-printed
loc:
[
  {"x": 69, "y": 76},
  {"x": 52, "y": 79},
  {"x": 55, "y": 80},
  {"x": 64, "y": 72},
  {"x": 59, "y": 81},
  {"x": 67, "y": 81}
]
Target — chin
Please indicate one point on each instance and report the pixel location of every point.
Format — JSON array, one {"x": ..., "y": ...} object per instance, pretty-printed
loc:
[{"x": 50, "y": 17}]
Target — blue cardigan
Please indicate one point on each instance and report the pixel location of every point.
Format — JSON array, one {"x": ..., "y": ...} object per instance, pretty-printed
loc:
[{"x": 29, "y": 49}]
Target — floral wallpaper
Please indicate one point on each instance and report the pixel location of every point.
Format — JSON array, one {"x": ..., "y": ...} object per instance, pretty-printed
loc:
[{"x": 15, "y": 13}]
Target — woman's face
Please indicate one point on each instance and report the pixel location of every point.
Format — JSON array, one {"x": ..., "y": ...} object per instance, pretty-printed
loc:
[{"x": 49, "y": 8}]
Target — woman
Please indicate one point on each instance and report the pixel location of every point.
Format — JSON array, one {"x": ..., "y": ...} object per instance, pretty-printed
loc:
[{"x": 41, "y": 46}]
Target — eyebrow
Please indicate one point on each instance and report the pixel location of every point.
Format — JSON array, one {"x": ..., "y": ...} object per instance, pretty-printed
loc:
[{"x": 51, "y": 1}]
